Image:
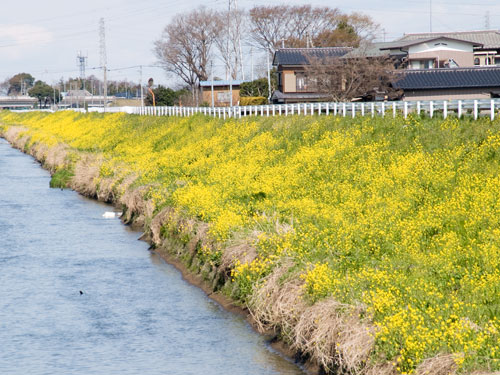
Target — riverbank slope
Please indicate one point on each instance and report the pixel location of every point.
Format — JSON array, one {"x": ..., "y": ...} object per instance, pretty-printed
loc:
[{"x": 369, "y": 245}]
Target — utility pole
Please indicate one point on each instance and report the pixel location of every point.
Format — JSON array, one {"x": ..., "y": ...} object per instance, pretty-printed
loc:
[
  {"x": 212, "y": 82},
  {"x": 102, "y": 37},
  {"x": 140, "y": 85},
  {"x": 268, "y": 78},
  {"x": 251, "y": 62},
  {"x": 487, "y": 20}
]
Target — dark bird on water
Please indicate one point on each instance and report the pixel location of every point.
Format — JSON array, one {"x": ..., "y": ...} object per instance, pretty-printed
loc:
[{"x": 81, "y": 292}]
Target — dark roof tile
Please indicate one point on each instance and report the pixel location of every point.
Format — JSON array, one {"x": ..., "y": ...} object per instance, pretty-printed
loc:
[
  {"x": 449, "y": 78},
  {"x": 299, "y": 56}
]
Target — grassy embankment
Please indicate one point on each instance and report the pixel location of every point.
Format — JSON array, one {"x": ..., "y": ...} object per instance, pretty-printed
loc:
[{"x": 371, "y": 245}]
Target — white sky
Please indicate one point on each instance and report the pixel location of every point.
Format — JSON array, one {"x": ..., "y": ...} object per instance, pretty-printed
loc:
[{"x": 44, "y": 37}]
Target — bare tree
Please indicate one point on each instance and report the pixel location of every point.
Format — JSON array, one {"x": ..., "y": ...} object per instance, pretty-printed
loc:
[
  {"x": 347, "y": 78},
  {"x": 231, "y": 25},
  {"x": 184, "y": 48},
  {"x": 307, "y": 26}
]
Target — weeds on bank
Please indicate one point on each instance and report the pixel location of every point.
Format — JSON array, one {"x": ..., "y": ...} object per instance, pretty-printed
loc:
[{"x": 400, "y": 216}]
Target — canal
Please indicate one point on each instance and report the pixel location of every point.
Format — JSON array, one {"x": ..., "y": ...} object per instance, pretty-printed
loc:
[{"x": 136, "y": 314}]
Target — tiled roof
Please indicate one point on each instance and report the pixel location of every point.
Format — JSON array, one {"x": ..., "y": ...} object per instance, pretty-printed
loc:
[
  {"x": 375, "y": 50},
  {"x": 489, "y": 38},
  {"x": 411, "y": 42},
  {"x": 300, "y": 56},
  {"x": 449, "y": 78}
]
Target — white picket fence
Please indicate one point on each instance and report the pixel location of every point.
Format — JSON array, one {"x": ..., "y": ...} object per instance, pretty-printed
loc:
[{"x": 461, "y": 108}]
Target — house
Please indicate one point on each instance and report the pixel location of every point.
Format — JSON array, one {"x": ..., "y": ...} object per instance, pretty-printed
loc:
[
  {"x": 82, "y": 99},
  {"x": 486, "y": 49},
  {"x": 293, "y": 84},
  {"x": 435, "y": 52},
  {"x": 224, "y": 93},
  {"x": 450, "y": 83}
]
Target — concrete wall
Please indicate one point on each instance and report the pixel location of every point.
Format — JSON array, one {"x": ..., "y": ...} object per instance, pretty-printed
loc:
[
  {"x": 463, "y": 59},
  {"x": 441, "y": 45},
  {"x": 447, "y": 94}
]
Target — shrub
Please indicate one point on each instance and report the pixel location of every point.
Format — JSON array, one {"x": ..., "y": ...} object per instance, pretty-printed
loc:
[{"x": 253, "y": 100}]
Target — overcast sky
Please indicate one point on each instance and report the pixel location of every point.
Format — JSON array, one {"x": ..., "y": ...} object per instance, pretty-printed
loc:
[{"x": 44, "y": 37}]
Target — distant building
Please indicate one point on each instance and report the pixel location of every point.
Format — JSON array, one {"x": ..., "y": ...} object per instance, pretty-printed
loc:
[
  {"x": 294, "y": 86},
  {"x": 17, "y": 102},
  {"x": 451, "y": 83},
  {"x": 487, "y": 43},
  {"x": 221, "y": 92},
  {"x": 82, "y": 99}
]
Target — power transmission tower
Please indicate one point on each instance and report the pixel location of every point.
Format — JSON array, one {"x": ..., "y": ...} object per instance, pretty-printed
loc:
[
  {"x": 81, "y": 62},
  {"x": 102, "y": 45}
]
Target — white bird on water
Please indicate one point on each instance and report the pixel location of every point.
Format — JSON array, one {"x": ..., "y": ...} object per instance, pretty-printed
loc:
[{"x": 111, "y": 214}]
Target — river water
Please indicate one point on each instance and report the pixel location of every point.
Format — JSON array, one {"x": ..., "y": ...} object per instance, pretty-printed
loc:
[{"x": 136, "y": 314}]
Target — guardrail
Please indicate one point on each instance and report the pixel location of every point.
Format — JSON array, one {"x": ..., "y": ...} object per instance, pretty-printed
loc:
[{"x": 461, "y": 108}]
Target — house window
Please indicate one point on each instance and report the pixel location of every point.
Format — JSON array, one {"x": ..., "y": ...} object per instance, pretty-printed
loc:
[
  {"x": 488, "y": 61},
  {"x": 477, "y": 61},
  {"x": 301, "y": 82}
]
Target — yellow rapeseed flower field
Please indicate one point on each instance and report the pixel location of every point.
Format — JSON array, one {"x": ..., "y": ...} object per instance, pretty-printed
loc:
[{"x": 400, "y": 216}]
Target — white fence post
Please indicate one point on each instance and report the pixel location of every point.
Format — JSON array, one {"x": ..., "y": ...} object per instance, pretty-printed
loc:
[
  {"x": 262, "y": 110},
  {"x": 312, "y": 109},
  {"x": 383, "y": 109},
  {"x": 280, "y": 109},
  {"x": 344, "y": 110},
  {"x": 476, "y": 112},
  {"x": 293, "y": 109},
  {"x": 445, "y": 109},
  {"x": 305, "y": 109},
  {"x": 327, "y": 108},
  {"x": 431, "y": 109},
  {"x": 353, "y": 110},
  {"x": 394, "y": 109},
  {"x": 335, "y": 109},
  {"x": 274, "y": 110},
  {"x": 492, "y": 110},
  {"x": 459, "y": 109},
  {"x": 373, "y": 109},
  {"x": 406, "y": 110},
  {"x": 363, "y": 109},
  {"x": 286, "y": 109},
  {"x": 267, "y": 110},
  {"x": 419, "y": 107}
]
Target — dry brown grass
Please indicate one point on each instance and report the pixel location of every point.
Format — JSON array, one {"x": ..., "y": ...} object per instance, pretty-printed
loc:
[
  {"x": 13, "y": 135},
  {"x": 382, "y": 369},
  {"x": 105, "y": 191},
  {"x": 138, "y": 208},
  {"x": 86, "y": 174},
  {"x": 333, "y": 334},
  {"x": 56, "y": 156},
  {"x": 241, "y": 250},
  {"x": 157, "y": 223},
  {"x": 277, "y": 304},
  {"x": 443, "y": 364}
]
